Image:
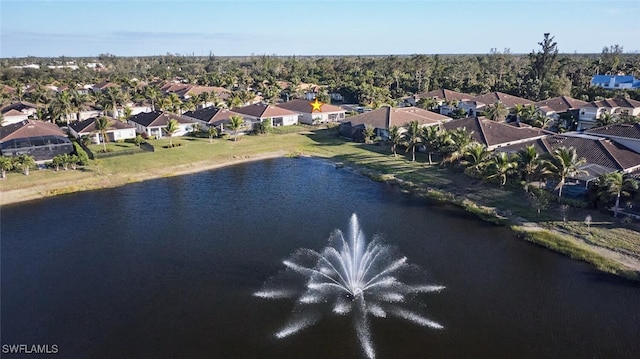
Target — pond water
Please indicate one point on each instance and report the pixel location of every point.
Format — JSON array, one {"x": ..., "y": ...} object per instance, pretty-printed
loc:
[{"x": 167, "y": 268}]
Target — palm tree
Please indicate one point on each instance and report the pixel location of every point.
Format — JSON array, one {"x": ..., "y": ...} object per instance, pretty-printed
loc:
[
  {"x": 102, "y": 125},
  {"x": 396, "y": 137},
  {"x": 24, "y": 162},
  {"x": 500, "y": 166},
  {"x": 213, "y": 132},
  {"x": 457, "y": 144},
  {"x": 529, "y": 113},
  {"x": 497, "y": 112},
  {"x": 431, "y": 140},
  {"x": 171, "y": 128},
  {"x": 152, "y": 93},
  {"x": 528, "y": 163},
  {"x": 114, "y": 96},
  {"x": 541, "y": 121},
  {"x": 518, "y": 111},
  {"x": 413, "y": 138},
  {"x": 616, "y": 184},
  {"x": 475, "y": 156},
  {"x": 605, "y": 119},
  {"x": 6, "y": 164},
  {"x": 235, "y": 101},
  {"x": 369, "y": 133},
  {"x": 429, "y": 103},
  {"x": 564, "y": 162},
  {"x": 63, "y": 104},
  {"x": 235, "y": 122}
]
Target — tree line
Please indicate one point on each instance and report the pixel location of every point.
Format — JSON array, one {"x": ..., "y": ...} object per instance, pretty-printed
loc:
[{"x": 368, "y": 80}]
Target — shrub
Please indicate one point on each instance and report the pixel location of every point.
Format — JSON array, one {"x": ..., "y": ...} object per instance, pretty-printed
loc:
[{"x": 83, "y": 157}]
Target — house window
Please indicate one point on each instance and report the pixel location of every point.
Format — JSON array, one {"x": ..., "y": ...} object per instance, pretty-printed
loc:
[{"x": 277, "y": 121}]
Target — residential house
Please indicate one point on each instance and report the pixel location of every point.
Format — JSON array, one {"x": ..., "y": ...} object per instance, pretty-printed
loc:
[
  {"x": 602, "y": 156},
  {"x": 625, "y": 134},
  {"x": 445, "y": 99},
  {"x": 152, "y": 124},
  {"x": 117, "y": 130},
  {"x": 383, "y": 118},
  {"x": 42, "y": 140},
  {"x": 590, "y": 112},
  {"x": 615, "y": 82},
  {"x": 18, "y": 112},
  {"x": 476, "y": 105},
  {"x": 495, "y": 134},
  {"x": 212, "y": 116},
  {"x": 187, "y": 91},
  {"x": 260, "y": 111},
  {"x": 328, "y": 113},
  {"x": 103, "y": 86},
  {"x": 557, "y": 106}
]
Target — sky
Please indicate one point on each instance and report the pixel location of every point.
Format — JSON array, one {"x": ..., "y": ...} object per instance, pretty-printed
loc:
[{"x": 53, "y": 28}]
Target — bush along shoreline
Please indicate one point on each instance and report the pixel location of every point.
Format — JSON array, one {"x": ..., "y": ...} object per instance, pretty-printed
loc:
[{"x": 548, "y": 238}]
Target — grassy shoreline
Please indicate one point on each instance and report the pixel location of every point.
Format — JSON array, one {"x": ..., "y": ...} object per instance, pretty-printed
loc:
[{"x": 375, "y": 162}]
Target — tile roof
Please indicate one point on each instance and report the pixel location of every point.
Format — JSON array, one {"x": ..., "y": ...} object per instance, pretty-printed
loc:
[
  {"x": 304, "y": 106},
  {"x": 18, "y": 106},
  {"x": 613, "y": 103},
  {"x": 445, "y": 94},
  {"x": 386, "y": 117},
  {"x": 29, "y": 128},
  {"x": 157, "y": 119},
  {"x": 508, "y": 100},
  {"x": 212, "y": 115},
  {"x": 559, "y": 104},
  {"x": 89, "y": 125},
  {"x": 263, "y": 111},
  {"x": 599, "y": 151},
  {"x": 492, "y": 133},
  {"x": 617, "y": 130},
  {"x": 103, "y": 85}
]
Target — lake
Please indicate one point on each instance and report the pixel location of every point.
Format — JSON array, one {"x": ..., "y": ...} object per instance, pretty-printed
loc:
[{"x": 167, "y": 268}]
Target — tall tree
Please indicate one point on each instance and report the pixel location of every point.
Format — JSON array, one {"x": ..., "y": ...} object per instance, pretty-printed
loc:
[
  {"x": 152, "y": 93},
  {"x": 6, "y": 164},
  {"x": 431, "y": 140},
  {"x": 497, "y": 112},
  {"x": 413, "y": 138},
  {"x": 396, "y": 137},
  {"x": 171, "y": 128},
  {"x": 500, "y": 167},
  {"x": 235, "y": 122},
  {"x": 616, "y": 184},
  {"x": 529, "y": 162},
  {"x": 562, "y": 163},
  {"x": 102, "y": 125},
  {"x": 543, "y": 63}
]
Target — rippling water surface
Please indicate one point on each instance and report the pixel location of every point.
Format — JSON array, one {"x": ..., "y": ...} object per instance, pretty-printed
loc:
[{"x": 167, "y": 269}]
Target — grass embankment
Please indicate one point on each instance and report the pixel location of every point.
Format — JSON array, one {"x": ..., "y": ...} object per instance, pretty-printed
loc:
[{"x": 605, "y": 244}]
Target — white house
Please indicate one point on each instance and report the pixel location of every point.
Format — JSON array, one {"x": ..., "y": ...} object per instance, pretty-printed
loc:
[
  {"x": 590, "y": 112},
  {"x": 153, "y": 123},
  {"x": 17, "y": 112},
  {"x": 117, "y": 130},
  {"x": 261, "y": 111},
  {"x": 327, "y": 113},
  {"x": 211, "y": 116}
]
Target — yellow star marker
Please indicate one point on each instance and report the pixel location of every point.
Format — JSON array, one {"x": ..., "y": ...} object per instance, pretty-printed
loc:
[{"x": 316, "y": 105}]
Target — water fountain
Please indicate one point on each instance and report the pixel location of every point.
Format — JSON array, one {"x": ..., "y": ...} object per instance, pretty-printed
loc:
[{"x": 352, "y": 277}]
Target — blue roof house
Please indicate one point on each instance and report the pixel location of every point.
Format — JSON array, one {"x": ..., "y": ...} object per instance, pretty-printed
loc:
[{"x": 615, "y": 82}]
